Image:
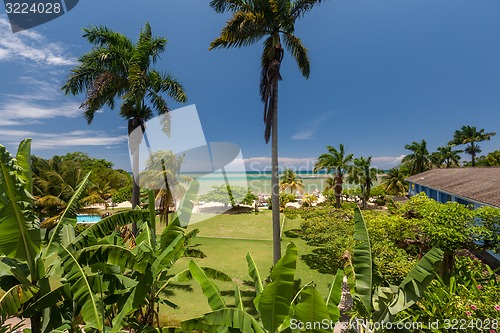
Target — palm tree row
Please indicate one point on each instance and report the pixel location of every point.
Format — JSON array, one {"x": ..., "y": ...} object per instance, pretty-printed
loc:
[
  {"x": 359, "y": 171},
  {"x": 421, "y": 160},
  {"x": 117, "y": 68}
]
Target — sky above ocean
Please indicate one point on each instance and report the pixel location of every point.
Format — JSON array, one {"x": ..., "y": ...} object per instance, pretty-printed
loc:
[{"x": 383, "y": 74}]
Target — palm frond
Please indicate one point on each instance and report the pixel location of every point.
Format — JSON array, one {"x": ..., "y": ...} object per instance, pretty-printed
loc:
[
  {"x": 242, "y": 29},
  {"x": 301, "y": 7},
  {"x": 103, "y": 36},
  {"x": 221, "y": 6},
  {"x": 299, "y": 53}
]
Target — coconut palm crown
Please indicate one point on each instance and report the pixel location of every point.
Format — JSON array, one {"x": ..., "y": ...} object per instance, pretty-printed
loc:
[
  {"x": 117, "y": 69},
  {"x": 470, "y": 136}
]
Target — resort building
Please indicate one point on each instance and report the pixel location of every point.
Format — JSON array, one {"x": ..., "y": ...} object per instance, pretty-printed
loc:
[{"x": 478, "y": 186}]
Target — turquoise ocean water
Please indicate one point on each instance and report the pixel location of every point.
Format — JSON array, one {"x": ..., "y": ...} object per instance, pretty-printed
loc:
[{"x": 259, "y": 182}]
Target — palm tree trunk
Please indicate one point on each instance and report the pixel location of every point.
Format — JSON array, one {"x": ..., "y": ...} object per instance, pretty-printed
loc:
[
  {"x": 338, "y": 191},
  {"x": 36, "y": 323},
  {"x": 136, "y": 190},
  {"x": 275, "y": 201}
]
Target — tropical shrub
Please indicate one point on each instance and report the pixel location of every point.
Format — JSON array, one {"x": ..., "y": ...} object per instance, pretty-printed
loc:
[
  {"x": 470, "y": 302},
  {"x": 331, "y": 230},
  {"x": 102, "y": 279},
  {"x": 229, "y": 195},
  {"x": 377, "y": 303}
]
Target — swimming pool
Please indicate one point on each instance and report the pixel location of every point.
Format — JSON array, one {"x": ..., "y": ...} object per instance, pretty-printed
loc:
[{"x": 88, "y": 218}]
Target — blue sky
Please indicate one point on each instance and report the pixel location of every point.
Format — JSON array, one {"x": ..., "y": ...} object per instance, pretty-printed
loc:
[{"x": 383, "y": 74}]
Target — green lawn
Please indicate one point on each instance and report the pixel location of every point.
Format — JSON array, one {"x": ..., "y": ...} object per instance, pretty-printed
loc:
[{"x": 226, "y": 239}]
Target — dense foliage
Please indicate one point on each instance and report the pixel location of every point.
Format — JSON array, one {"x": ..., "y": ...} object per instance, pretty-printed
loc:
[
  {"x": 229, "y": 195},
  {"x": 400, "y": 236},
  {"x": 56, "y": 179}
]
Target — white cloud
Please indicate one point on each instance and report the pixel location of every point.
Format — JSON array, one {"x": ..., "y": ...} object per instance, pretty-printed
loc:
[
  {"x": 30, "y": 46},
  {"x": 386, "y": 162},
  {"x": 19, "y": 112},
  {"x": 309, "y": 129},
  {"x": 307, "y": 134},
  {"x": 65, "y": 139}
]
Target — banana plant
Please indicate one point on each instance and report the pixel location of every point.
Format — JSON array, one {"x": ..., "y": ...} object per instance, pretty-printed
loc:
[
  {"x": 26, "y": 263},
  {"x": 382, "y": 303},
  {"x": 278, "y": 307}
]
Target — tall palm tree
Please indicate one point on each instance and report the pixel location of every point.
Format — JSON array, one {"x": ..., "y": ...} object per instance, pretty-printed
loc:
[
  {"x": 363, "y": 174},
  {"x": 290, "y": 181},
  {"x": 117, "y": 69},
  {"x": 470, "y": 136},
  {"x": 162, "y": 174},
  {"x": 418, "y": 161},
  {"x": 273, "y": 21},
  {"x": 446, "y": 155},
  {"x": 394, "y": 181},
  {"x": 335, "y": 160}
]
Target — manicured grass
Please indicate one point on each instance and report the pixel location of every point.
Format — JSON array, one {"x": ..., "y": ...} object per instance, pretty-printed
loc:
[{"x": 226, "y": 239}]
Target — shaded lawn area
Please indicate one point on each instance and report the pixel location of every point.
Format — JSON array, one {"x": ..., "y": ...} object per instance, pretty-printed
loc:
[{"x": 226, "y": 239}]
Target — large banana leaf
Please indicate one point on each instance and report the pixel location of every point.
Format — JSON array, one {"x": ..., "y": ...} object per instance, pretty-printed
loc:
[
  {"x": 111, "y": 254},
  {"x": 186, "y": 276},
  {"x": 210, "y": 289},
  {"x": 312, "y": 309},
  {"x": 12, "y": 300},
  {"x": 255, "y": 275},
  {"x": 133, "y": 300},
  {"x": 334, "y": 294},
  {"x": 362, "y": 262},
  {"x": 182, "y": 217},
  {"x": 48, "y": 300},
  {"x": 215, "y": 322},
  {"x": 412, "y": 287},
  {"x": 23, "y": 157},
  {"x": 91, "y": 306},
  {"x": 275, "y": 299},
  {"x": 238, "y": 302},
  {"x": 64, "y": 233},
  {"x": 107, "y": 225},
  {"x": 18, "y": 236}
]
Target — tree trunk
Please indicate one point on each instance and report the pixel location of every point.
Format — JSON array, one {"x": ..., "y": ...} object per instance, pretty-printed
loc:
[
  {"x": 36, "y": 323},
  {"x": 275, "y": 200},
  {"x": 136, "y": 190},
  {"x": 338, "y": 191}
]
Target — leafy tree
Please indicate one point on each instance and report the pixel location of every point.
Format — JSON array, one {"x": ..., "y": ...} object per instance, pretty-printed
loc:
[
  {"x": 363, "y": 174},
  {"x": 493, "y": 158},
  {"x": 290, "y": 181},
  {"x": 274, "y": 21},
  {"x": 227, "y": 195},
  {"x": 122, "y": 195},
  {"x": 118, "y": 69},
  {"x": 335, "y": 160},
  {"x": 446, "y": 155},
  {"x": 394, "y": 181},
  {"x": 470, "y": 136},
  {"x": 418, "y": 160}
]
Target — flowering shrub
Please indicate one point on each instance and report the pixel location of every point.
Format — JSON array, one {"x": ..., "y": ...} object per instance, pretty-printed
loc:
[{"x": 472, "y": 297}]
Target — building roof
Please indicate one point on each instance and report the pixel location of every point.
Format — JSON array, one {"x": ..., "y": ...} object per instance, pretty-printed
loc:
[{"x": 480, "y": 184}]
